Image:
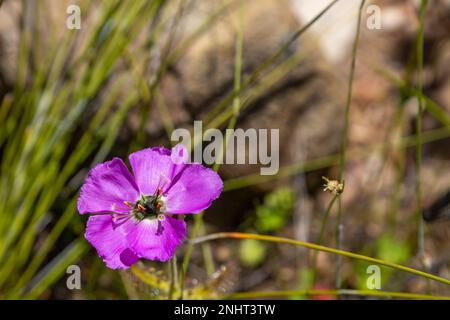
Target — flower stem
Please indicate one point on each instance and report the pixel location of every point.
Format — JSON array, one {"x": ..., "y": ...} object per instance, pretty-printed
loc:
[
  {"x": 344, "y": 141},
  {"x": 198, "y": 225},
  {"x": 198, "y": 221},
  {"x": 268, "y": 62},
  {"x": 238, "y": 235},
  {"x": 173, "y": 276},
  {"x": 418, "y": 164},
  {"x": 321, "y": 234},
  {"x": 207, "y": 253},
  {"x": 331, "y": 160},
  {"x": 237, "y": 82},
  {"x": 376, "y": 293}
]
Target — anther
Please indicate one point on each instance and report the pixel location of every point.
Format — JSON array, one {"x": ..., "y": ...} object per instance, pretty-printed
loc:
[
  {"x": 128, "y": 204},
  {"x": 161, "y": 184}
]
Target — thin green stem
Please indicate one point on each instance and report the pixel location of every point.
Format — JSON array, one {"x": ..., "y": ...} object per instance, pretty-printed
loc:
[
  {"x": 344, "y": 141},
  {"x": 344, "y": 138},
  {"x": 208, "y": 257},
  {"x": 331, "y": 160},
  {"x": 198, "y": 224},
  {"x": 267, "y": 63},
  {"x": 434, "y": 109},
  {"x": 321, "y": 234},
  {"x": 237, "y": 84},
  {"x": 373, "y": 293},
  {"x": 198, "y": 221},
  {"x": 418, "y": 164},
  {"x": 173, "y": 276},
  {"x": 238, "y": 235},
  {"x": 418, "y": 187}
]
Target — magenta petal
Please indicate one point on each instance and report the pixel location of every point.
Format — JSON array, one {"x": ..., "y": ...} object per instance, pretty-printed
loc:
[
  {"x": 154, "y": 239},
  {"x": 152, "y": 169},
  {"x": 194, "y": 190},
  {"x": 109, "y": 240},
  {"x": 179, "y": 154},
  {"x": 107, "y": 186},
  {"x": 161, "y": 150}
]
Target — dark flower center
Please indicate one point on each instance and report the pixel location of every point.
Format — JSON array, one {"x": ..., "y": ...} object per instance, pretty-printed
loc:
[{"x": 148, "y": 207}]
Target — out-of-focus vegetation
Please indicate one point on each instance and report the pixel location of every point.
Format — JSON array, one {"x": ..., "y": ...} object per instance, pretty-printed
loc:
[
  {"x": 58, "y": 120},
  {"x": 79, "y": 97},
  {"x": 270, "y": 216}
]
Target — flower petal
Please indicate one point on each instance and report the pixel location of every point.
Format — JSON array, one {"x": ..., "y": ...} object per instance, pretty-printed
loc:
[
  {"x": 179, "y": 154},
  {"x": 109, "y": 240},
  {"x": 152, "y": 168},
  {"x": 106, "y": 188},
  {"x": 193, "y": 190},
  {"x": 154, "y": 239}
]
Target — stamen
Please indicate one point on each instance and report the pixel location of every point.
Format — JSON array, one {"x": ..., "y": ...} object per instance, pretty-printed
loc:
[
  {"x": 161, "y": 185},
  {"x": 149, "y": 207},
  {"x": 161, "y": 217},
  {"x": 122, "y": 217},
  {"x": 128, "y": 204},
  {"x": 118, "y": 216}
]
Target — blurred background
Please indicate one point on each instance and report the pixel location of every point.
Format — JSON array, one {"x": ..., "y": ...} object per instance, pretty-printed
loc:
[{"x": 137, "y": 70}]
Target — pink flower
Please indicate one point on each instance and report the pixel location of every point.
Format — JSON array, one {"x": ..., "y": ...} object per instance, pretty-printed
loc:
[{"x": 133, "y": 216}]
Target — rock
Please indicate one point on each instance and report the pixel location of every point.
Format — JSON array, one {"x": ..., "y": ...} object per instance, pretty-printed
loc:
[{"x": 303, "y": 104}]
